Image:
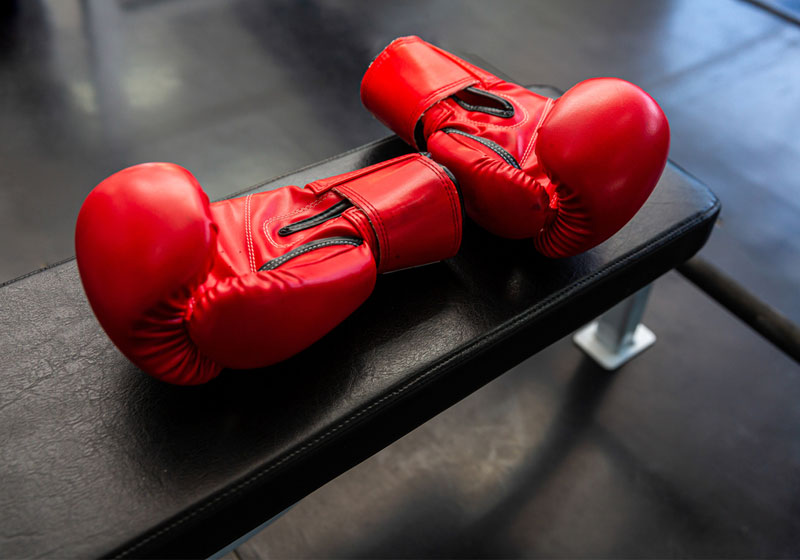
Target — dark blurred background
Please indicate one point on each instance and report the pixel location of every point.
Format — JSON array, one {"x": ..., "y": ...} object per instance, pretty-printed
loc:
[{"x": 692, "y": 450}]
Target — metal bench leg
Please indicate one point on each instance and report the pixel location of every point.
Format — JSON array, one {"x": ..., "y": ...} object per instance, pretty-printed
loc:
[
  {"x": 617, "y": 335},
  {"x": 243, "y": 539}
]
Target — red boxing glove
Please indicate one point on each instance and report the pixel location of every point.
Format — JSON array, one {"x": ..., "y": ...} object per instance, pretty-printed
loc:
[
  {"x": 568, "y": 172},
  {"x": 185, "y": 288}
]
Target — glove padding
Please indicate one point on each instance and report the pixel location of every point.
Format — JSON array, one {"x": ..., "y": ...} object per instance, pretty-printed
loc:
[
  {"x": 568, "y": 173},
  {"x": 185, "y": 288}
]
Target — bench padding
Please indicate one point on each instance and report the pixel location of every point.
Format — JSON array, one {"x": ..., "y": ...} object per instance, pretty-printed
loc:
[{"x": 100, "y": 459}]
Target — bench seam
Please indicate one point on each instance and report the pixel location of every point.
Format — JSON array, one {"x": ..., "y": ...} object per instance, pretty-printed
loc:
[{"x": 506, "y": 328}]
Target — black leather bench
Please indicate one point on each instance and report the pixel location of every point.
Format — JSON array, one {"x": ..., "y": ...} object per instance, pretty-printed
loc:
[{"x": 100, "y": 460}]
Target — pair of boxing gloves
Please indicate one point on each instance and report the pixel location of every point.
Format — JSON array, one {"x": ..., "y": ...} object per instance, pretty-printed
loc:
[{"x": 186, "y": 288}]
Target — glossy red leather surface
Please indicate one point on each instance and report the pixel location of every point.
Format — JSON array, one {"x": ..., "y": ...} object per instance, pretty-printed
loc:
[
  {"x": 175, "y": 281},
  {"x": 586, "y": 161},
  {"x": 604, "y": 145},
  {"x": 145, "y": 239},
  {"x": 408, "y": 77},
  {"x": 411, "y": 210}
]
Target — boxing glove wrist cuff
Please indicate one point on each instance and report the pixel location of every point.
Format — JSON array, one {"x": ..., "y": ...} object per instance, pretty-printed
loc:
[
  {"x": 412, "y": 205},
  {"x": 410, "y": 76}
]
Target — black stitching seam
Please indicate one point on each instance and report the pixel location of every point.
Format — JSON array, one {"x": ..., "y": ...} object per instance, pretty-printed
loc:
[
  {"x": 496, "y": 148},
  {"x": 37, "y": 271},
  {"x": 506, "y": 328}
]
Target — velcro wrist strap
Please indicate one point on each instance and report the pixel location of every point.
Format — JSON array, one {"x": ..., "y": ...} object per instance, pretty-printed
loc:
[
  {"x": 410, "y": 76},
  {"x": 412, "y": 206}
]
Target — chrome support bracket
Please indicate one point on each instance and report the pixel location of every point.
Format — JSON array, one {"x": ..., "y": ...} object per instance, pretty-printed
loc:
[{"x": 617, "y": 335}]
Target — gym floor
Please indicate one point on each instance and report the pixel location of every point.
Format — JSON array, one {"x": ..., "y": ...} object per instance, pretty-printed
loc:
[{"x": 692, "y": 449}]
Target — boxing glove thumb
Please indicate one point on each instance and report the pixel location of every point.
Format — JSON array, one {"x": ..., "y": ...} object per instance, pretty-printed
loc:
[{"x": 603, "y": 145}]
